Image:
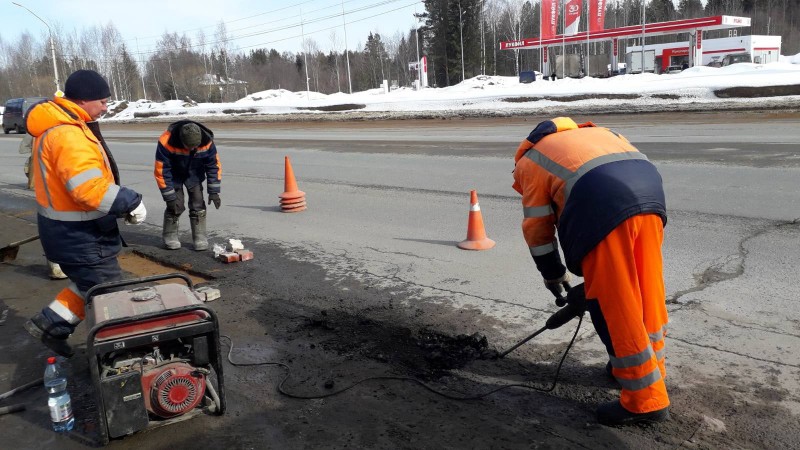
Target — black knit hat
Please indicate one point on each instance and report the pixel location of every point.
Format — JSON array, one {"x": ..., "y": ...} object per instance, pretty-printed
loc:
[{"x": 86, "y": 85}]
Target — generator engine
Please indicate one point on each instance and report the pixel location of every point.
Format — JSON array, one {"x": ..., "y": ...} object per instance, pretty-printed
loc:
[
  {"x": 153, "y": 353},
  {"x": 171, "y": 386}
]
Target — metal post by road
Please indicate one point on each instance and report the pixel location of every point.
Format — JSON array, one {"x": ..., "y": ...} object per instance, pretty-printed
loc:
[
  {"x": 52, "y": 44},
  {"x": 419, "y": 64},
  {"x": 643, "y": 22},
  {"x": 346, "y": 52},
  {"x": 461, "y": 31}
]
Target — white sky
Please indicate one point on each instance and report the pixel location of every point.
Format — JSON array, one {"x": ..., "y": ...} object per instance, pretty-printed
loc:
[
  {"x": 484, "y": 93},
  {"x": 253, "y": 23}
]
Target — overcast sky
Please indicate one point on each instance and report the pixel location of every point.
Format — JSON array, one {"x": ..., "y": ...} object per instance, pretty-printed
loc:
[{"x": 252, "y": 23}]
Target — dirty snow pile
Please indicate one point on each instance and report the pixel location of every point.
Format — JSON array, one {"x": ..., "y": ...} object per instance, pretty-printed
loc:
[{"x": 495, "y": 93}]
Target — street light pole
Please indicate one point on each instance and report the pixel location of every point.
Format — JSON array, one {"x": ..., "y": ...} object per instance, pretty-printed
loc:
[{"x": 52, "y": 44}]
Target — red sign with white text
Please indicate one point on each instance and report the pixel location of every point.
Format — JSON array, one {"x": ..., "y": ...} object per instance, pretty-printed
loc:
[
  {"x": 597, "y": 15},
  {"x": 549, "y": 19}
]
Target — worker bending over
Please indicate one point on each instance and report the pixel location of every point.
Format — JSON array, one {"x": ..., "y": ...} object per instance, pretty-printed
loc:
[
  {"x": 606, "y": 201},
  {"x": 185, "y": 157}
]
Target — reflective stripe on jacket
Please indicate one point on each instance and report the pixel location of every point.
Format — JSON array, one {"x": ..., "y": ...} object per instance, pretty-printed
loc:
[
  {"x": 78, "y": 200},
  {"x": 176, "y": 166},
  {"x": 584, "y": 180}
]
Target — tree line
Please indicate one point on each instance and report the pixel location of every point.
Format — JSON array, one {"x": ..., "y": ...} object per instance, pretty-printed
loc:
[{"x": 459, "y": 37}]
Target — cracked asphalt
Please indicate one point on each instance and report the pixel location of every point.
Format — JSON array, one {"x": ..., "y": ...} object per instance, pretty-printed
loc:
[{"x": 368, "y": 282}]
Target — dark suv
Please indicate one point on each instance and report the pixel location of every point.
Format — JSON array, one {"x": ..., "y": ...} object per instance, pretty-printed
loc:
[{"x": 14, "y": 114}]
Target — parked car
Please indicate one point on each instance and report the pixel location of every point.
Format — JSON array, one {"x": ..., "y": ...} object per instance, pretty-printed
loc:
[
  {"x": 673, "y": 69},
  {"x": 715, "y": 63},
  {"x": 734, "y": 58},
  {"x": 15, "y": 111}
]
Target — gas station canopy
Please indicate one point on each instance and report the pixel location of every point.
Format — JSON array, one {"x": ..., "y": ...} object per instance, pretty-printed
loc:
[{"x": 648, "y": 29}]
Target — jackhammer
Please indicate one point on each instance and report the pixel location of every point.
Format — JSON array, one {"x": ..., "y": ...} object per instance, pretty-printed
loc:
[{"x": 575, "y": 302}]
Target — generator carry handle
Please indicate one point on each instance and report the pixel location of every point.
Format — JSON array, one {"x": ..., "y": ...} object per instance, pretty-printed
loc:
[{"x": 103, "y": 287}]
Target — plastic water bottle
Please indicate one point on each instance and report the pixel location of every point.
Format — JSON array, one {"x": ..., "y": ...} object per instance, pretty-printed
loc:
[{"x": 58, "y": 401}]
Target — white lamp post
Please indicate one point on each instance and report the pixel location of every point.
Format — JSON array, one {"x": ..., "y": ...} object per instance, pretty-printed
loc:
[{"x": 52, "y": 44}]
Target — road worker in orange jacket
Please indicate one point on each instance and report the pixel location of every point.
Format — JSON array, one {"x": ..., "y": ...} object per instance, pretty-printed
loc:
[
  {"x": 79, "y": 200},
  {"x": 606, "y": 201},
  {"x": 185, "y": 157}
]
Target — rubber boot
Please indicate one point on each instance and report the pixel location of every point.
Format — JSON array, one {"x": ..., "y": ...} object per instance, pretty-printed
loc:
[
  {"x": 198, "y": 222},
  {"x": 613, "y": 414},
  {"x": 170, "y": 232},
  {"x": 37, "y": 326}
]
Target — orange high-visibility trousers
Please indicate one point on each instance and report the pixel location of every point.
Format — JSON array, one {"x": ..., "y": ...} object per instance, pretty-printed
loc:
[{"x": 625, "y": 274}]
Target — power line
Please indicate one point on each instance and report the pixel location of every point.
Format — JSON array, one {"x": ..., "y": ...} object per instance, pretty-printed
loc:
[
  {"x": 281, "y": 28},
  {"x": 138, "y": 55}
]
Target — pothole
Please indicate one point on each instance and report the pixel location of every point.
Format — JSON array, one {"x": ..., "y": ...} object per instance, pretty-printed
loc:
[{"x": 425, "y": 352}]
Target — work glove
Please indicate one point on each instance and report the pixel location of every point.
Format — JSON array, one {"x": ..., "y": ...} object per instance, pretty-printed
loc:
[
  {"x": 172, "y": 207},
  {"x": 214, "y": 198},
  {"x": 138, "y": 214},
  {"x": 558, "y": 285}
]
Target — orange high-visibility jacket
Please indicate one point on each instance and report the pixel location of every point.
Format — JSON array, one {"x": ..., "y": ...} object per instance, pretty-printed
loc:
[
  {"x": 78, "y": 200},
  {"x": 584, "y": 180}
]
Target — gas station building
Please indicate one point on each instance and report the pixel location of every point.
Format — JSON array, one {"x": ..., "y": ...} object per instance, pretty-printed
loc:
[{"x": 694, "y": 27}]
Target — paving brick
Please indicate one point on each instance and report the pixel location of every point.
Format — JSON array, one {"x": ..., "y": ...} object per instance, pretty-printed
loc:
[
  {"x": 245, "y": 254},
  {"x": 229, "y": 257}
]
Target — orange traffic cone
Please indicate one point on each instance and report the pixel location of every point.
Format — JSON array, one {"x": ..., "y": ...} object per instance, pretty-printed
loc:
[
  {"x": 476, "y": 235},
  {"x": 292, "y": 199}
]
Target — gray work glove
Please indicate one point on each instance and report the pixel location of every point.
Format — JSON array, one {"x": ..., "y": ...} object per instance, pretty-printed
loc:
[
  {"x": 558, "y": 285},
  {"x": 214, "y": 198},
  {"x": 172, "y": 207}
]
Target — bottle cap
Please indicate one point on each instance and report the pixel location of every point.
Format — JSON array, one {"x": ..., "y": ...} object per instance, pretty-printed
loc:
[{"x": 51, "y": 360}]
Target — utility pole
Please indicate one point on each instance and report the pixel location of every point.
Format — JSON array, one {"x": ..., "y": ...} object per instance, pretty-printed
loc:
[
  {"x": 419, "y": 63},
  {"x": 346, "y": 51},
  {"x": 305, "y": 55},
  {"x": 461, "y": 31},
  {"x": 52, "y": 46}
]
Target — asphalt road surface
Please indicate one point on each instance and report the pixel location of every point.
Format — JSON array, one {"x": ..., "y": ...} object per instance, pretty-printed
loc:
[{"x": 368, "y": 281}]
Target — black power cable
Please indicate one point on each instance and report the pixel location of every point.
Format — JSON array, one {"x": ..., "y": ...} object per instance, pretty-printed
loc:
[{"x": 402, "y": 378}]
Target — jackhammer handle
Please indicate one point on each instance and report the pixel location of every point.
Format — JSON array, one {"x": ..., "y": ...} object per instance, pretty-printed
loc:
[
  {"x": 538, "y": 332},
  {"x": 561, "y": 300}
]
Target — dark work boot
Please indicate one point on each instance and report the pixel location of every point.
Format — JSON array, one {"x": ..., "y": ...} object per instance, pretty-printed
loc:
[
  {"x": 613, "y": 414},
  {"x": 170, "y": 232},
  {"x": 36, "y": 327},
  {"x": 198, "y": 222}
]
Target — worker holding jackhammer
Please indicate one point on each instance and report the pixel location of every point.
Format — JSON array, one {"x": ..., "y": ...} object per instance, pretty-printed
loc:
[
  {"x": 186, "y": 156},
  {"x": 79, "y": 199},
  {"x": 606, "y": 201}
]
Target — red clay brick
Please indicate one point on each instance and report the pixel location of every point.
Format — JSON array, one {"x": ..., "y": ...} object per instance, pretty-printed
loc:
[
  {"x": 229, "y": 257},
  {"x": 245, "y": 254}
]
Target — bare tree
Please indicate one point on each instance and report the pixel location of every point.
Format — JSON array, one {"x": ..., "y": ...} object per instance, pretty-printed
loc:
[{"x": 335, "y": 43}]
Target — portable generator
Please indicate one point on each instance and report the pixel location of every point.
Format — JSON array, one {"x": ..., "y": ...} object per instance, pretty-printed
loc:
[{"x": 154, "y": 354}]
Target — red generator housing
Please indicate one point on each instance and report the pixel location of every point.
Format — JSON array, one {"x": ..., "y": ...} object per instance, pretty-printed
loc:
[{"x": 154, "y": 354}]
